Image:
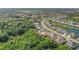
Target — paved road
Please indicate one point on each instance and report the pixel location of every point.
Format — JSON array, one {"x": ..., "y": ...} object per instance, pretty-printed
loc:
[{"x": 51, "y": 30}]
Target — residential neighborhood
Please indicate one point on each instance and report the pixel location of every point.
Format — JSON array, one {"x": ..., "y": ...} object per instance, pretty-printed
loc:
[{"x": 39, "y": 28}]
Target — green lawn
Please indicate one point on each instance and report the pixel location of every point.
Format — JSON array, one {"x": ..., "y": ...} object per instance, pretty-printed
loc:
[{"x": 64, "y": 26}]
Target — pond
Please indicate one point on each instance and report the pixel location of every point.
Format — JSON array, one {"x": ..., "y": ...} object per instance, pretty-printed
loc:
[{"x": 76, "y": 31}]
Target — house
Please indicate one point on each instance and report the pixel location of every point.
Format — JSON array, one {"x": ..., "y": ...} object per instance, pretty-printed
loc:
[
  {"x": 53, "y": 35},
  {"x": 44, "y": 32},
  {"x": 63, "y": 31},
  {"x": 70, "y": 23},
  {"x": 77, "y": 25},
  {"x": 77, "y": 38},
  {"x": 63, "y": 16},
  {"x": 60, "y": 40},
  {"x": 59, "y": 30},
  {"x": 37, "y": 25},
  {"x": 49, "y": 25},
  {"x": 71, "y": 44}
]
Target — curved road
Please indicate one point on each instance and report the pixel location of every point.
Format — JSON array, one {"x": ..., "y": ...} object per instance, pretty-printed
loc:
[{"x": 51, "y": 30}]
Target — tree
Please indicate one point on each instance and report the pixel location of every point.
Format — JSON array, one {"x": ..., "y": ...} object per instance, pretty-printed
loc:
[
  {"x": 63, "y": 47},
  {"x": 4, "y": 38}
]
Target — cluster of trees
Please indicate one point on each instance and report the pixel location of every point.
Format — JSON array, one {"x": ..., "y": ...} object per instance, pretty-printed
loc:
[
  {"x": 22, "y": 35},
  {"x": 30, "y": 40},
  {"x": 13, "y": 28},
  {"x": 72, "y": 17}
]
